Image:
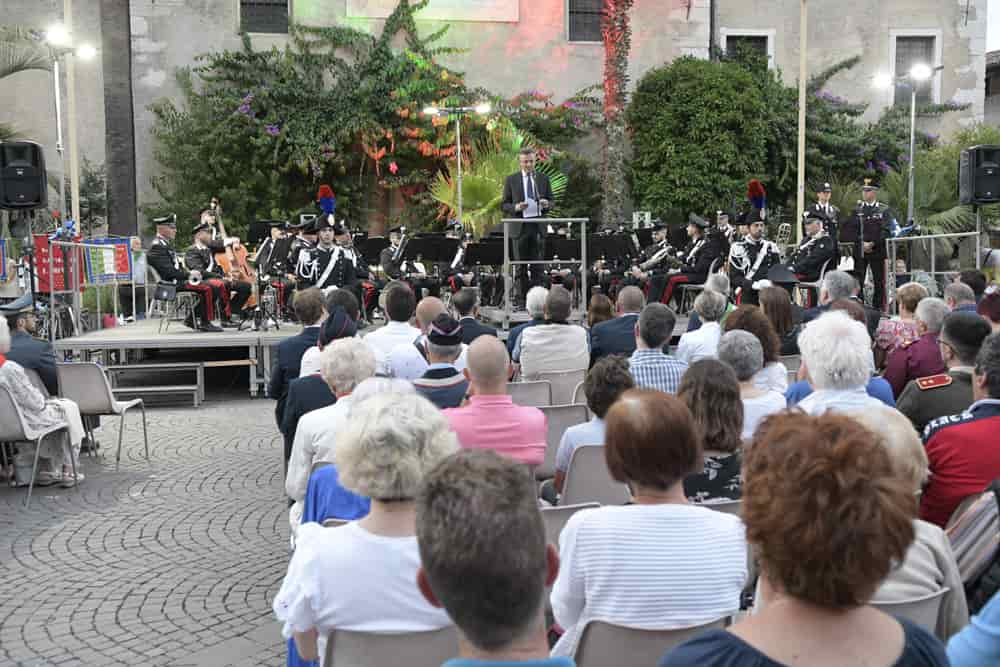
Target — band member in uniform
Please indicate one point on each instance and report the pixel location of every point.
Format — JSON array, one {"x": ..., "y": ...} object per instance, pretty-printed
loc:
[
  {"x": 725, "y": 227},
  {"x": 302, "y": 243},
  {"x": 397, "y": 268},
  {"x": 655, "y": 261},
  {"x": 701, "y": 251},
  {"x": 271, "y": 262},
  {"x": 829, "y": 213},
  {"x": 363, "y": 283},
  {"x": 868, "y": 229},
  {"x": 817, "y": 248},
  {"x": 750, "y": 259},
  {"x": 201, "y": 257},
  {"x": 455, "y": 273},
  {"x": 163, "y": 258}
]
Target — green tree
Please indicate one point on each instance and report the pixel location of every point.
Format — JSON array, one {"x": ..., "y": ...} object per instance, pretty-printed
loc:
[{"x": 699, "y": 130}]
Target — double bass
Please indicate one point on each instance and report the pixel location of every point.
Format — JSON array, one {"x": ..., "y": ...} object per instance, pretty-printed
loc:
[{"x": 235, "y": 262}]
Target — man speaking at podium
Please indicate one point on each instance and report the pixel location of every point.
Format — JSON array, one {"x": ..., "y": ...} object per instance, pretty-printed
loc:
[{"x": 527, "y": 194}]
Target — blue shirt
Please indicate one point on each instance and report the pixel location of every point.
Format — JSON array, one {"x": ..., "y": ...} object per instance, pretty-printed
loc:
[
  {"x": 588, "y": 433},
  {"x": 877, "y": 388},
  {"x": 547, "y": 662},
  {"x": 651, "y": 369},
  {"x": 979, "y": 642}
]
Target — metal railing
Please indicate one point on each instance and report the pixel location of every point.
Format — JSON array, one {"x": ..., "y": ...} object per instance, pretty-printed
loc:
[{"x": 892, "y": 252}]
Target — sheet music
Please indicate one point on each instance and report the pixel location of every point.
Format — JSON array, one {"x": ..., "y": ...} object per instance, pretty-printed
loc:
[{"x": 532, "y": 211}]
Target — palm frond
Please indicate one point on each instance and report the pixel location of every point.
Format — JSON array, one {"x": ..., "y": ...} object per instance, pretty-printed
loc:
[
  {"x": 17, "y": 57},
  {"x": 8, "y": 132}
]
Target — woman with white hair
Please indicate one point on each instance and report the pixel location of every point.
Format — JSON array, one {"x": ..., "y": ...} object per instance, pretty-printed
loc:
[
  {"x": 929, "y": 564},
  {"x": 837, "y": 360},
  {"x": 39, "y": 414},
  {"x": 742, "y": 351},
  {"x": 703, "y": 342},
  {"x": 717, "y": 282},
  {"x": 361, "y": 576},
  {"x": 345, "y": 364}
]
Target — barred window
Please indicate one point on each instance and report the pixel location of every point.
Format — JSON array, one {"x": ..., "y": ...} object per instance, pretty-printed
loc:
[
  {"x": 737, "y": 43},
  {"x": 264, "y": 16},
  {"x": 585, "y": 20},
  {"x": 911, "y": 51}
]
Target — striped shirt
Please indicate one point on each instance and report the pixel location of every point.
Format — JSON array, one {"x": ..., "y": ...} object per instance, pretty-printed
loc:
[
  {"x": 651, "y": 369},
  {"x": 651, "y": 567}
]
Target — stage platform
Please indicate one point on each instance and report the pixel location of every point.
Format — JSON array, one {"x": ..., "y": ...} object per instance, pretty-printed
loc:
[{"x": 144, "y": 335}]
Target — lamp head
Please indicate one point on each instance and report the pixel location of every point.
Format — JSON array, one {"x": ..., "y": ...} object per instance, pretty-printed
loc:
[
  {"x": 882, "y": 80},
  {"x": 921, "y": 72},
  {"x": 86, "y": 52},
  {"x": 57, "y": 35},
  {"x": 483, "y": 108}
]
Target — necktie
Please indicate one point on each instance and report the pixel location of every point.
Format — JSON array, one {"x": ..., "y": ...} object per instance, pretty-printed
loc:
[{"x": 530, "y": 194}]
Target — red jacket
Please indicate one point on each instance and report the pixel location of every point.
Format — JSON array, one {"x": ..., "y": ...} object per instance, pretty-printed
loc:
[{"x": 919, "y": 359}]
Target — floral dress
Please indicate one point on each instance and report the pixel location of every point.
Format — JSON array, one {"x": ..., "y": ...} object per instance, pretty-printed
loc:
[{"x": 720, "y": 481}]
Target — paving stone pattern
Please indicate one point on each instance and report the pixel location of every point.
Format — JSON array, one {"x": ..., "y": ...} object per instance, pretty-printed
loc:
[{"x": 173, "y": 562}]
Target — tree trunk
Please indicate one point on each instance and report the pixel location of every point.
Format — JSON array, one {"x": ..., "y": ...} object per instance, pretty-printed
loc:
[{"x": 116, "y": 49}]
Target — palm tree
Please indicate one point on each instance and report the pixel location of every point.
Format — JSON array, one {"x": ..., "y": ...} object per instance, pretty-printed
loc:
[
  {"x": 119, "y": 142},
  {"x": 20, "y": 51}
]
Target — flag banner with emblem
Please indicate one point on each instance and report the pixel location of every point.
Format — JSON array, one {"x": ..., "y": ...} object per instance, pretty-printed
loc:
[
  {"x": 62, "y": 257},
  {"x": 109, "y": 263}
]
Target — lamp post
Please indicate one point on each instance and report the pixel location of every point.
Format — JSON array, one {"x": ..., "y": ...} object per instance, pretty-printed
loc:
[
  {"x": 481, "y": 109},
  {"x": 919, "y": 73}
]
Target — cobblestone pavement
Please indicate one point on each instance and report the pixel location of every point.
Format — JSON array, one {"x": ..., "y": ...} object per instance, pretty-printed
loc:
[{"x": 170, "y": 562}]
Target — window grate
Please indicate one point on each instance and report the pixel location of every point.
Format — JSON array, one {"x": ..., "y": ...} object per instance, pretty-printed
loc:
[
  {"x": 585, "y": 20},
  {"x": 269, "y": 16},
  {"x": 737, "y": 43},
  {"x": 909, "y": 52}
]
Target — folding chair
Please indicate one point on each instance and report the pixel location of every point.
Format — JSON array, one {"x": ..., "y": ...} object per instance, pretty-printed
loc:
[
  {"x": 87, "y": 385},
  {"x": 923, "y": 610},
  {"x": 807, "y": 289},
  {"x": 559, "y": 418},
  {"x": 555, "y": 519},
  {"x": 530, "y": 394},
  {"x": 588, "y": 480},
  {"x": 603, "y": 644},
  {"x": 694, "y": 290},
  {"x": 563, "y": 384},
  {"x": 579, "y": 395},
  {"x": 13, "y": 428},
  {"x": 176, "y": 309},
  {"x": 414, "y": 649},
  {"x": 726, "y": 507}
]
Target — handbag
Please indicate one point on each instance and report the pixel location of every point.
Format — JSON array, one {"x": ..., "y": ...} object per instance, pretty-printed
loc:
[{"x": 165, "y": 291}]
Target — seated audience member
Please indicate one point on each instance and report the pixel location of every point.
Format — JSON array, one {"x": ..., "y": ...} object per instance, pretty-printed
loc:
[
  {"x": 345, "y": 364},
  {"x": 717, "y": 282},
  {"x": 399, "y": 306},
  {"x": 361, "y": 576},
  {"x": 703, "y": 341},
  {"x": 979, "y": 643},
  {"x": 895, "y": 332},
  {"x": 930, "y": 563},
  {"x": 922, "y": 357},
  {"x": 784, "y": 316},
  {"x": 842, "y": 285},
  {"x": 963, "y": 452},
  {"x": 535, "y": 303},
  {"x": 989, "y": 308},
  {"x": 30, "y": 353},
  {"x": 837, "y": 364},
  {"x": 741, "y": 351},
  {"x": 926, "y": 399},
  {"x": 308, "y": 305},
  {"x": 773, "y": 375},
  {"x": 711, "y": 391},
  {"x": 40, "y": 413},
  {"x": 443, "y": 385},
  {"x": 827, "y": 519},
  {"x": 556, "y": 345},
  {"x": 311, "y": 391},
  {"x": 607, "y": 554},
  {"x": 346, "y": 301},
  {"x": 490, "y": 419},
  {"x": 976, "y": 280},
  {"x": 484, "y": 559},
  {"x": 617, "y": 336},
  {"x": 465, "y": 303},
  {"x": 650, "y": 366},
  {"x": 877, "y": 387},
  {"x": 960, "y": 297},
  {"x": 599, "y": 310},
  {"x": 606, "y": 381},
  {"x": 409, "y": 361}
]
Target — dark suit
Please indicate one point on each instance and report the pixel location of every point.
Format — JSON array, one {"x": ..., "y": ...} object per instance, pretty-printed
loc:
[
  {"x": 473, "y": 329},
  {"x": 615, "y": 336},
  {"x": 305, "y": 394},
  {"x": 286, "y": 366},
  {"x": 36, "y": 355},
  {"x": 529, "y": 239},
  {"x": 872, "y": 315}
]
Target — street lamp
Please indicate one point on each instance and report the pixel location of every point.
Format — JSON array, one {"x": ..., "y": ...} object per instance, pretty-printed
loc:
[
  {"x": 482, "y": 109},
  {"x": 919, "y": 73}
]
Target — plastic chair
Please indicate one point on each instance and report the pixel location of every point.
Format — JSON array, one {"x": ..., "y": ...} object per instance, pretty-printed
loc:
[
  {"x": 579, "y": 395},
  {"x": 559, "y": 418},
  {"x": 923, "y": 610},
  {"x": 13, "y": 428},
  {"x": 727, "y": 507},
  {"x": 588, "y": 480},
  {"x": 555, "y": 519},
  {"x": 86, "y": 384},
  {"x": 335, "y": 523},
  {"x": 170, "y": 310},
  {"x": 563, "y": 384},
  {"x": 414, "y": 649},
  {"x": 36, "y": 381},
  {"x": 791, "y": 361},
  {"x": 602, "y": 644},
  {"x": 530, "y": 394}
]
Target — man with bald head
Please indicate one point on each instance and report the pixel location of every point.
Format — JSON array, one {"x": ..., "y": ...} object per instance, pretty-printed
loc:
[
  {"x": 490, "y": 420},
  {"x": 409, "y": 361},
  {"x": 617, "y": 336}
]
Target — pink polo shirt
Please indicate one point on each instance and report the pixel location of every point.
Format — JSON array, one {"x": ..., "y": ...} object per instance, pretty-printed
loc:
[{"x": 494, "y": 422}]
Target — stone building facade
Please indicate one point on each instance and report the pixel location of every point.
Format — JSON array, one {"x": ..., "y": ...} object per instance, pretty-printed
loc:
[{"x": 517, "y": 45}]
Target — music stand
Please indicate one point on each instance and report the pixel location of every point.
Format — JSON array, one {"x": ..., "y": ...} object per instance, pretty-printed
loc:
[
  {"x": 562, "y": 251},
  {"x": 600, "y": 246},
  {"x": 645, "y": 236},
  {"x": 485, "y": 253},
  {"x": 371, "y": 248}
]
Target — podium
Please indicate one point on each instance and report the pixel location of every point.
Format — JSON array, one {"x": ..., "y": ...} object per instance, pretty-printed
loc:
[{"x": 509, "y": 264}]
